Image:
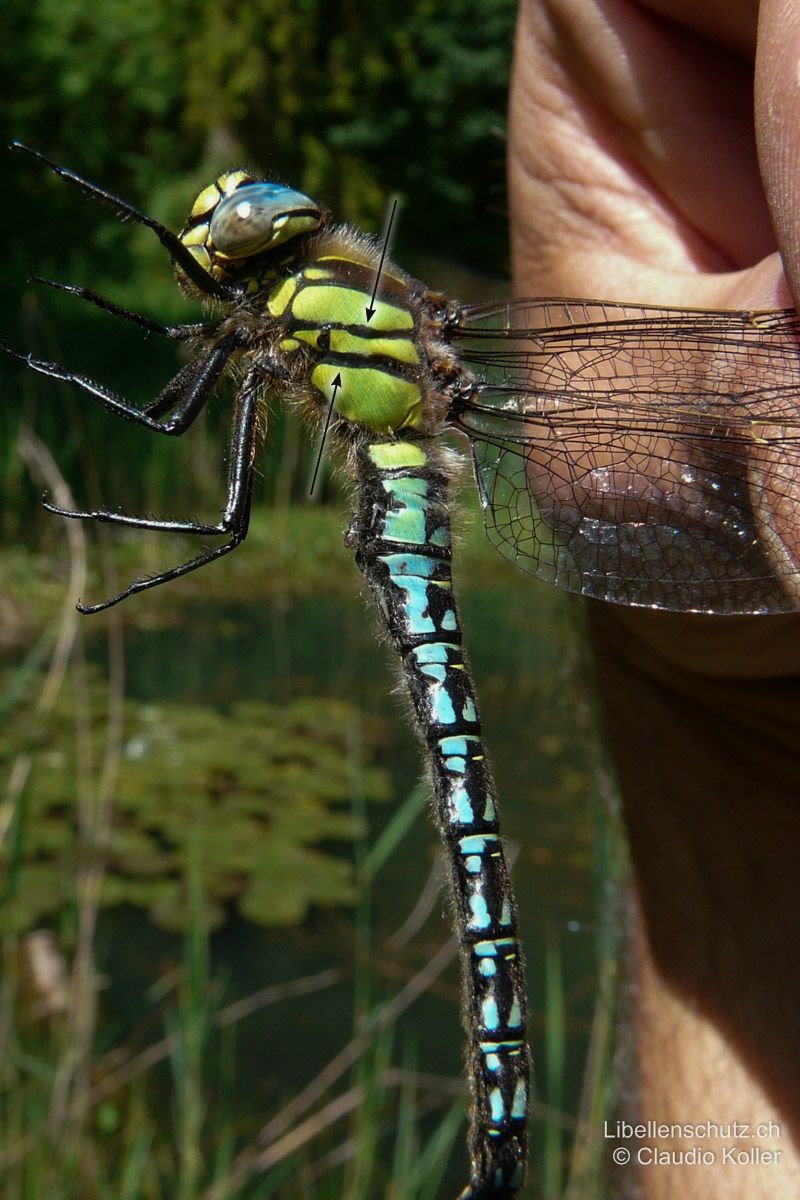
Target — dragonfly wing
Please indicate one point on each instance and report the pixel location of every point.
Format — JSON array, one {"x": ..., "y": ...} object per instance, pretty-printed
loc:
[{"x": 645, "y": 456}]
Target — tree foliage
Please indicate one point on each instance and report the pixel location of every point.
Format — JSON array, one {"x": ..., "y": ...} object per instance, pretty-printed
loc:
[{"x": 349, "y": 102}]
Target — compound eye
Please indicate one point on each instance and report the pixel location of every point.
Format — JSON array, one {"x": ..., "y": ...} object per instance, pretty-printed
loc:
[{"x": 259, "y": 216}]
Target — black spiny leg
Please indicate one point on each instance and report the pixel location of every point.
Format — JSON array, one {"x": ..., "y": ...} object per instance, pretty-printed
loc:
[
  {"x": 185, "y": 396},
  {"x": 179, "y": 254},
  {"x": 178, "y": 332},
  {"x": 235, "y": 519},
  {"x": 189, "y": 390}
]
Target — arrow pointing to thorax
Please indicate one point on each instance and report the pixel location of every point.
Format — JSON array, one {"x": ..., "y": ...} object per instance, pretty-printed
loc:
[
  {"x": 336, "y": 383},
  {"x": 370, "y": 309}
]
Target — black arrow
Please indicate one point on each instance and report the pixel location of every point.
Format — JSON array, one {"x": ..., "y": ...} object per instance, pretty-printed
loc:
[
  {"x": 370, "y": 310},
  {"x": 335, "y": 384}
]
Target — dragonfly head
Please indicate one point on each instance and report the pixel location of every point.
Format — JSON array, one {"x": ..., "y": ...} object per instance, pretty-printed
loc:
[{"x": 240, "y": 229}]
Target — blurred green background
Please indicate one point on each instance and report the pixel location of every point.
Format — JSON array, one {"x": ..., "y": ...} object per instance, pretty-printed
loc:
[
  {"x": 348, "y": 102},
  {"x": 225, "y": 963}
]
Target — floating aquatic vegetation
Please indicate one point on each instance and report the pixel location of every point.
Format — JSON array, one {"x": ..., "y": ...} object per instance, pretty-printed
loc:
[{"x": 262, "y": 793}]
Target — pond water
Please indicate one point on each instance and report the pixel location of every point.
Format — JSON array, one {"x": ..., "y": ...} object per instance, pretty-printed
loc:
[
  {"x": 285, "y": 648},
  {"x": 519, "y": 638}
]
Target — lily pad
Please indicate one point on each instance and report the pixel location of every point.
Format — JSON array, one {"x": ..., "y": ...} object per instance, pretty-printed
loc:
[{"x": 259, "y": 797}]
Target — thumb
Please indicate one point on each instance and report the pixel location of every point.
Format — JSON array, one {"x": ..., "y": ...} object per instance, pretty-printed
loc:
[{"x": 777, "y": 112}]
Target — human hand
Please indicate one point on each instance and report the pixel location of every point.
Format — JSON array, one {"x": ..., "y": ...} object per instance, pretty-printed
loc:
[{"x": 634, "y": 176}]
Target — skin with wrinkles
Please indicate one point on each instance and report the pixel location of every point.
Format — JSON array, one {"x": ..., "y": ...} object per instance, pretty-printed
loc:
[{"x": 639, "y": 172}]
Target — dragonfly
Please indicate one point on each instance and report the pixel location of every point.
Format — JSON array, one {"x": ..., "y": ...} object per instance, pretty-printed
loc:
[{"x": 639, "y": 455}]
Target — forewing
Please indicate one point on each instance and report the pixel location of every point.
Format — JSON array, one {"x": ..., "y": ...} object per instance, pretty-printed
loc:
[{"x": 646, "y": 456}]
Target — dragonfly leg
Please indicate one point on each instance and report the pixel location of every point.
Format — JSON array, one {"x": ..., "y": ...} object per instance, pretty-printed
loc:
[
  {"x": 179, "y": 253},
  {"x": 185, "y": 395},
  {"x": 236, "y": 517},
  {"x": 177, "y": 332},
  {"x": 120, "y": 518},
  {"x": 189, "y": 390}
]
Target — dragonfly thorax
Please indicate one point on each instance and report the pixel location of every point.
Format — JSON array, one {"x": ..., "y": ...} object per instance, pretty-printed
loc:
[{"x": 356, "y": 333}]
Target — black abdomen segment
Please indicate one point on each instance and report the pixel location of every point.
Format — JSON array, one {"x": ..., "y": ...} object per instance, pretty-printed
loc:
[{"x": 401, "y": 534}]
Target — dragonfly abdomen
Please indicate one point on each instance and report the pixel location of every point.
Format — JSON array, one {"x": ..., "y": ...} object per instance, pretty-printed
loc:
[{"x": 402, "y": 539}]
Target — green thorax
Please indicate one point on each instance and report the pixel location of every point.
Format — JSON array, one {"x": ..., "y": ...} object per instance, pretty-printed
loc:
[{"x": 322, "y": 315}]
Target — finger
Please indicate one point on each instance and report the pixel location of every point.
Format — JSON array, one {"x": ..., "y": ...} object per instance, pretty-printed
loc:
[
  {"x": 605, "y": 103},
  {"x": 777, "y": 92},
  {"x": 632, "y": 161}
]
